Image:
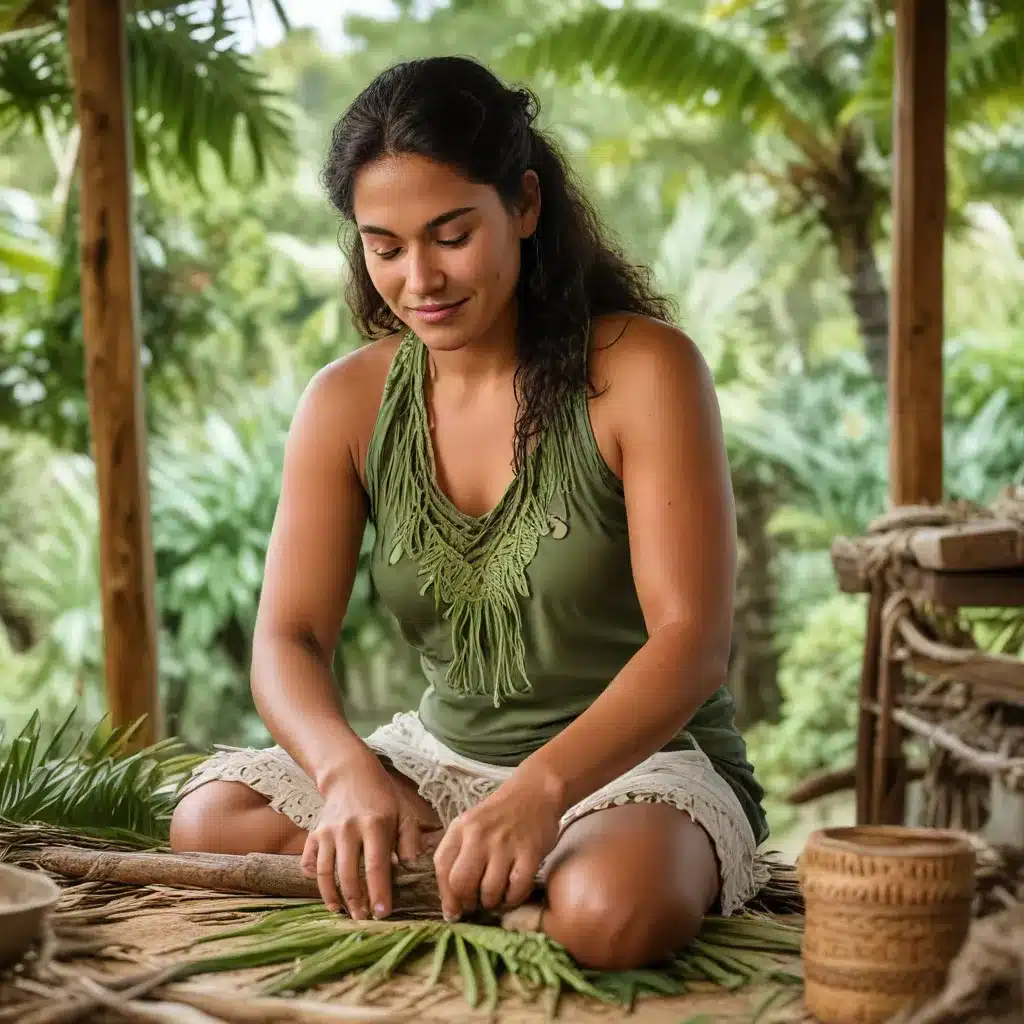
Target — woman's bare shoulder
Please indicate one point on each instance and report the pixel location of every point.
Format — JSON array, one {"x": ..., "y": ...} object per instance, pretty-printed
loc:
[
  {"x": 633, "y": 356},
  {"x": 629, "y": 343},
  {"x": 339, "y": 406}
]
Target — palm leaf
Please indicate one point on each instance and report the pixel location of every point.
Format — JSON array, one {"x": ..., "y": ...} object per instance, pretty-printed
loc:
[
  {"x": 314, "y": 946},
  {"x": 986, "y": 74},
  {"x": 23, "y": 256},
  {"x": 995, "y": 171},
  {"x": 670, "y": 59},
  {"x": 25, "y": 15},
  {"x": 94, "y": 785},
  {"x": 192, "y": 91},
  {"x": 34, "y": 81}
]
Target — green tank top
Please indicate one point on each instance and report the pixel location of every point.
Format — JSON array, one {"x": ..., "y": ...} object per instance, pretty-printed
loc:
[{"x": 524, "y": 615}]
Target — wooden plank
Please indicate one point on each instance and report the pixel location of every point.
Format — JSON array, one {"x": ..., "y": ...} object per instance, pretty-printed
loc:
[
  {"x": 1005, "y": 685},
  {"x": 919, "y": 215},
  {"x": 113, "y": 380},
  {"x": 998, "y": 588},
  {"x": 983, "y": 544}
]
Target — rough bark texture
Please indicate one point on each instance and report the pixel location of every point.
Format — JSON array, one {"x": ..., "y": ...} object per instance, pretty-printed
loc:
[
  {"x": 755, "y": 668},
  {"x": 113, "y": 376},
  {"x": 869, "y": 298},
  {"x": 851, "y": 206},
  {"x": 267, "y": 874}
]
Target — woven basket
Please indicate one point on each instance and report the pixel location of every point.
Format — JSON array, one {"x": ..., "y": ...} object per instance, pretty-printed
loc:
[{"x": 887, "y": 910}]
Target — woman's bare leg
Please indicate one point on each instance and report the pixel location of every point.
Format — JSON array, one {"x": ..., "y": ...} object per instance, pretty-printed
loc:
[
  {"x": 629, "y": 885},
  {"x": 229, "y": 817}
]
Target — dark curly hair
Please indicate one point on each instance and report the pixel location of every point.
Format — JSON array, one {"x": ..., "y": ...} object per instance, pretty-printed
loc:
[{"x": 456, "y": 112}]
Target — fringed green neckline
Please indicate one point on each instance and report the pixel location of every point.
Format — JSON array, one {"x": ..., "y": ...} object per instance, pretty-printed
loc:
[{"x": 474, "y": 566}]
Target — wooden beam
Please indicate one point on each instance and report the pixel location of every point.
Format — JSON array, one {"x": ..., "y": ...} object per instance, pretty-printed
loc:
[
  {"x": 919, "y": 217},
  {"x": 96, "y": 30}
]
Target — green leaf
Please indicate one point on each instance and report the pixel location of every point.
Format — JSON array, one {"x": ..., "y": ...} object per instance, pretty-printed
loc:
[
  {"x": 192, "y": 91},
  {"x": 669, "y": 59},
  {"x": 94, "y": 784},
  {"x": 315, "y": 946},
  {"x": 986, "y": 73}
]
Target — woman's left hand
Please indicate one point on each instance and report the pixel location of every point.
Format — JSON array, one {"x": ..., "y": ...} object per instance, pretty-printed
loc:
[{"x": 490, "y": 854}]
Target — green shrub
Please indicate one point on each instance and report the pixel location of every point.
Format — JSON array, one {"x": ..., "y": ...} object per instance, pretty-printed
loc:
[{"x": 819, "y": 679}]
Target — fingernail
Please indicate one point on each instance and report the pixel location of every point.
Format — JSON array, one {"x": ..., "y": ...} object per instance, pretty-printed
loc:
[
  {"x": 450, "y": 918},
  {"x": 379, "y": 910},
  {"x": 333, "y": 907}
]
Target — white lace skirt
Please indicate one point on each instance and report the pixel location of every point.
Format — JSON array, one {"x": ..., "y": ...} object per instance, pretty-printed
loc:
[{"x": 451, "y": 784}]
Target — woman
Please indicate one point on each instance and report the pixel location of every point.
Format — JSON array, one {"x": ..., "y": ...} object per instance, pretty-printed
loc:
[{"x": 542, "y": 458}]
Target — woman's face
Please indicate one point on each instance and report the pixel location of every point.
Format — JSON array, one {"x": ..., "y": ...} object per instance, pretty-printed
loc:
[{"x": 442, "y": 251}]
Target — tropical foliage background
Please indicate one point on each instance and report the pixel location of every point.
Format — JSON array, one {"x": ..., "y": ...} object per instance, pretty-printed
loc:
[{"x": 742, "y": 148}]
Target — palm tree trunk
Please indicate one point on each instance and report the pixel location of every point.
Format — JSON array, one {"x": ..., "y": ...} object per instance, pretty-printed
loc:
[
  {"x": 850, "y": 212},
  {"x": 868, "y": 294},
  {"x": 753, "y": 677}
]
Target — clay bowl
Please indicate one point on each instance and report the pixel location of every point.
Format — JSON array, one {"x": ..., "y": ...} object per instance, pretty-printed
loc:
[
  {"x": 26, "y": 897},
  {"x": 887, "y": 910}
]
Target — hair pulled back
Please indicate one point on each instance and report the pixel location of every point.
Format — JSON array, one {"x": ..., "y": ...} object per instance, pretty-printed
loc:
[{"x": 456, "y": 112}]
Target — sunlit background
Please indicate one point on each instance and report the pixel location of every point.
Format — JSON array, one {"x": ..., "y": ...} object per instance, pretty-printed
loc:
[{"x": 746, "y": 158}]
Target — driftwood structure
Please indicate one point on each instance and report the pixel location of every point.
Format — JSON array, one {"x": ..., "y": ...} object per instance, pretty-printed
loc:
[{"x": 924, "y": 675}]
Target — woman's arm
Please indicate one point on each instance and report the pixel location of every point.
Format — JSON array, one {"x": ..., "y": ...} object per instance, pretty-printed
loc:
[
  {"x": 682, "y": 539},
  {"x": 310, "y": 569},
  {"x": 308, "y": 578}
]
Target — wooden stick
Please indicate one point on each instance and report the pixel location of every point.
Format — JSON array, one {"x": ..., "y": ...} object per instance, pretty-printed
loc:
[
  {"x": 272, "y": 1010},
  {"x": 266, "y": 874},
  {"x": 823, "y": 784},
  {"x": 983, "y": 762},
  {"x": 868, "y": 692}
]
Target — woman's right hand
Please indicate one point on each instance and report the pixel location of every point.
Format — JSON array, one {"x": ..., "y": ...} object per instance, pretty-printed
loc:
[{"x": 362, "y": 816}]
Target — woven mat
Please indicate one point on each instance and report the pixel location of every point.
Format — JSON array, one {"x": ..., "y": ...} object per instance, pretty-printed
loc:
[{"x": 152, "y": 920}]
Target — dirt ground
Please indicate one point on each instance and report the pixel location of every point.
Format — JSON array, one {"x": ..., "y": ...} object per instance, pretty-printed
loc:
[{"x": 145, "y": 939}]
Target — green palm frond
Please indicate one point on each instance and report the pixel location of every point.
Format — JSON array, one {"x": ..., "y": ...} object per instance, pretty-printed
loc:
[
  {"x": 25, "y": 15},
  {"x": 994, "y": 171},
  {"x": 193, "y": 91},
  {"x": 986, "y": 73},
  {"x": 314, "y": 946},
  {"x": 90, "y": 784},
  {"x": 674, "y": 60},
  {"x": 34, "y": 81}
]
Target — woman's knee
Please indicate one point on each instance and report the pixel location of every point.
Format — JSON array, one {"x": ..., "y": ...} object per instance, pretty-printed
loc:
[
  {"x": 607, "y": 921},
  {"x": 228, "y": 817},
  {"x": 616, "y": 897}
]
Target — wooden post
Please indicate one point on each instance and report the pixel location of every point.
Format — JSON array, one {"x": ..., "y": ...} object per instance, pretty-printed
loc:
[
  {"x": 96, "y": 30},
  {"x": 919, "y": 215},
  {"x": 866, "y": 719}
]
